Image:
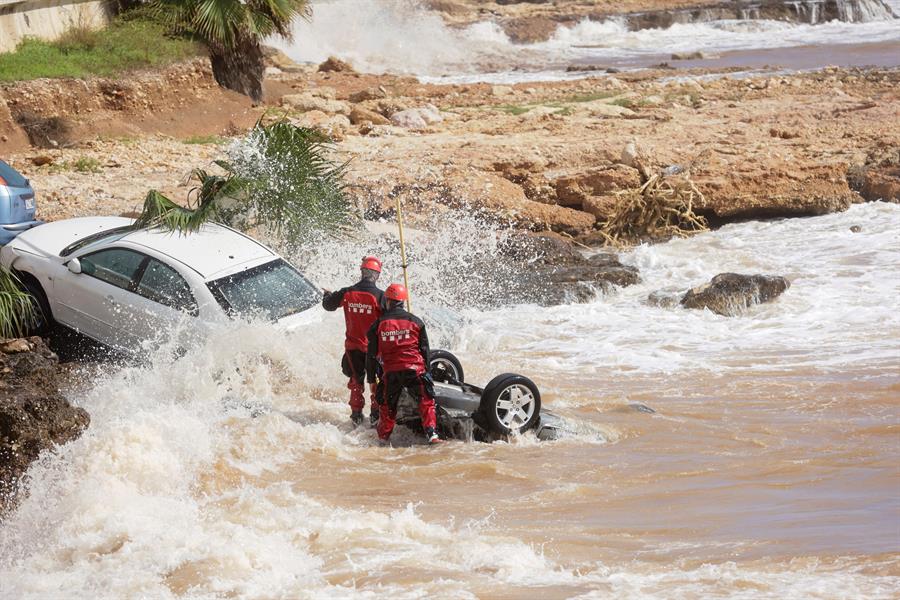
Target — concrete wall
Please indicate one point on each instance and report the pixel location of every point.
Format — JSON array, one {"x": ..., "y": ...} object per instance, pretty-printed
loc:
[{"x": 47, "y": 19}]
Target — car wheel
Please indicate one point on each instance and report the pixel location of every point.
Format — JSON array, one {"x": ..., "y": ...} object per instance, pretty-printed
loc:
[
  {"x": 43, "y": 318},
  {"x": 445, "y": 367},
  {"x": 510, "y": 404}
]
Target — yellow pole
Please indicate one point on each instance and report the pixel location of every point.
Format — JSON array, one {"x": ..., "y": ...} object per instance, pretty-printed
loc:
[{"x": 403, "y": 255}]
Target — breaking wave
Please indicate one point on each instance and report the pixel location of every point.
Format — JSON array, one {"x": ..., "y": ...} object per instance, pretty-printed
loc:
[
  {"x": 231, "y": 472},
  {"x": 401, "y": 36}
]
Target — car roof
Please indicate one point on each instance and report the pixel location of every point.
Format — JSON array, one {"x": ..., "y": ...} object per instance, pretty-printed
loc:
[{"x": 212, "y": 250}]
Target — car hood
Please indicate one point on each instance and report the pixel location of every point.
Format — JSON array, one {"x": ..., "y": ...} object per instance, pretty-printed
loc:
[
  {"x": 49, "y": 239},
  {"x": 301, "y": 319}
]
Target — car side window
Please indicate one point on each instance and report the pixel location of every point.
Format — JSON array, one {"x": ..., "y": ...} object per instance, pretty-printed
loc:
[
  {"x": 161, "y": 283},
  {"x": 115, "y": 266}
]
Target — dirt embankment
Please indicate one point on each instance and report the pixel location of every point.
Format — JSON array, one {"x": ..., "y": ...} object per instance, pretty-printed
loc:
[{"x": 543, "y": 155}]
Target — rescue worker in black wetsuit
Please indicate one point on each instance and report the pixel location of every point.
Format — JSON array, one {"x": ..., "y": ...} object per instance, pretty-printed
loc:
[
  {"x": 398, "y": 339},
  {"x": 363, "y": 304}
]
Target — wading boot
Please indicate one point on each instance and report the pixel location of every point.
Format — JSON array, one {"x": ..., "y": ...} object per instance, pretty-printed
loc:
[
  {"x": 356, "y": 417},
  {"x": 432, "y": 436}
]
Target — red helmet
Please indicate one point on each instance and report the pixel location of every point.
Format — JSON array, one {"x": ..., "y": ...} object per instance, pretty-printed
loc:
[
  {"x": 397, "y": 292},
  {"x": 371, "y": 263}
]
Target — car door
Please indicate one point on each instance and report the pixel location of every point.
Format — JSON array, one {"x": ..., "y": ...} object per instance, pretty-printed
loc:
[
  {"x": 164, "y": 305},
  {"x": 94, "y": 300}
]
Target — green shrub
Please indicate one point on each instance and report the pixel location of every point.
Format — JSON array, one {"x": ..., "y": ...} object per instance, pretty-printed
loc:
[
  {"x": 86, "y": 164},
  {"x": 514, "y": 109},
  {"x": 17, "y": 309},
  {"x": 127, "y": 44},
  {"x": 205, "y": 139}
]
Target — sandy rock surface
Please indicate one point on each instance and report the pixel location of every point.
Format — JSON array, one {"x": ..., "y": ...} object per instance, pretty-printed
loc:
[{"x": 544, "y": 156}]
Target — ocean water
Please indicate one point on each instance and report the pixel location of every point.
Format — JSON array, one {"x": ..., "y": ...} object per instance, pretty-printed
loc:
[
  {"x": 769, "y": 469},
  {"x": 401, "y": 36}
]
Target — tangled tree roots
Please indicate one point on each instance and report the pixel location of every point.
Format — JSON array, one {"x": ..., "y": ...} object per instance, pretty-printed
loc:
[
  {"x": 661, "y": 208},
  {"x": 45, "y": 132}
]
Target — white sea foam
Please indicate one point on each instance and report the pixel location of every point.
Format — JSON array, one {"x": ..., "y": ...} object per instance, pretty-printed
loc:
[
  {"x": 401, "y": 36},
  {"x": 841, "y": 308},
  {"x": 176, "y": 485}
]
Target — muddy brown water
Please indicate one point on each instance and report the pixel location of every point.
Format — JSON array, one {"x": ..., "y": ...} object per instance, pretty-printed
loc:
[
  {"x": 756, "y": 469},
  {"x": 768, "y": 469}
]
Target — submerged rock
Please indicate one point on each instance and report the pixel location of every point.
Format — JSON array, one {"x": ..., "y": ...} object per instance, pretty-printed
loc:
[
  {"x": 664, "y": 298},
  {"x": 729, "y": 294},
  {"x": 34, "y": 416},
  {"x": 557, "y": 273}
]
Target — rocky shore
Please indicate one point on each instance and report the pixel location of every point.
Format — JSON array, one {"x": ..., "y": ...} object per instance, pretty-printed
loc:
[
  {"x": 34, "y": 415},
  {"x": 530, "y": 21},
  {"x": 556, "y": 159},
  {"x": 551, "y": 156}
]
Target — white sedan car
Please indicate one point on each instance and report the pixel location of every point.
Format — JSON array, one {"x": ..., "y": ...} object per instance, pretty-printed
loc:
[{"x": 123, "y": 286}]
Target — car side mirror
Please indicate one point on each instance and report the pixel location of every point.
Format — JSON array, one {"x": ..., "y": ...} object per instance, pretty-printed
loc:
[{"x": 74, "y": 266}]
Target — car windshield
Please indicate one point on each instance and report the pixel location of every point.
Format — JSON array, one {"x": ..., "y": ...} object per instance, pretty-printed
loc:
[
  {"x": 11, "y": 177},
  {"x": 273, "y": 290}
]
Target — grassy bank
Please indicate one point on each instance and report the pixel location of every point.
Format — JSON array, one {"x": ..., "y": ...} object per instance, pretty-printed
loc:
[{"x": 130, "y": 42}]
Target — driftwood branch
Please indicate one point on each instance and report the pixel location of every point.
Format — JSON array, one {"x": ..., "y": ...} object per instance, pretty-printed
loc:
[{"x": 661, "y": 208}]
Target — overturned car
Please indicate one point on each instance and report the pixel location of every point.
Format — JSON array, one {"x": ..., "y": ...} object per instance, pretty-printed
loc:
[{"x": 510, "y": 404}]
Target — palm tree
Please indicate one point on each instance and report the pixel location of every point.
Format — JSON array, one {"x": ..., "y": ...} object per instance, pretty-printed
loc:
[
  {"x": 232, "y": 30},
  {"x": 289, "y": 186}
]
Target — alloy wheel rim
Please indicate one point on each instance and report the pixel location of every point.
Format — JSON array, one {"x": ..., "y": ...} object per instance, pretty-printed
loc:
[
  {"x": 515, "y": 406},
  {"x": 445, "y": 365}
]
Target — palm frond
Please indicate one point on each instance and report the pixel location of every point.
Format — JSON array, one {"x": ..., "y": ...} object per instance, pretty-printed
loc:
[
  {"x": 17, "y": 309},
  {"x": 294, "y": 188},
  {"x": 222, "y": 23},
  {"x": 288, "y": 184}
]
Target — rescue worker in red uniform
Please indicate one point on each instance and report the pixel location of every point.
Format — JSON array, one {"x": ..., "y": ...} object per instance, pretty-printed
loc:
[
  {"x": 398, "y": 339},
  {"x": 363, "y": 303}
]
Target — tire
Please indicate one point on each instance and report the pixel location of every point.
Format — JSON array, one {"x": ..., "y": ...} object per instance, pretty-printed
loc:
[
  {"x": 43, "y": 321},
  {"x": 510, "y": 404},
  {"x": 445, "y": 367}
]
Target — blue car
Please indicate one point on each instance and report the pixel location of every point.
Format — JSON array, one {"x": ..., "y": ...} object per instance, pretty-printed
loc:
[{"x": 16, "y": 204}]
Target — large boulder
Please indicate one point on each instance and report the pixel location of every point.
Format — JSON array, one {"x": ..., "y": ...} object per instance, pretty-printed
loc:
[
  {"x": 276, "y": 58},
  {"x": 558, "y": 273},
  {"x": 360, "y": 115},
  {"x": 730, "y": 294},
  {"x": 335, "y": 65},
  {"x": 417, "y": 118},
  {"x": 34, "y": 416}
]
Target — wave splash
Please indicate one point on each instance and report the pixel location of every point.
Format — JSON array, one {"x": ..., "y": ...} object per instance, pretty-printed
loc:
[
  {"x": 177, "y": 490},
  {"x": 402, "y": 36}
]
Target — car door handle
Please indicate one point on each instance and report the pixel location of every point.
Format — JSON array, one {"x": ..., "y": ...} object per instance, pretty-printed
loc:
[{"x": 112, "y": 300}]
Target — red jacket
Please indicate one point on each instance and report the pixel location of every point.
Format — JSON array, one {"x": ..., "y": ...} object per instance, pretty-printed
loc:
[
  {"x": 363, "y": 303},
  {"x": 399, "y": 339}
]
